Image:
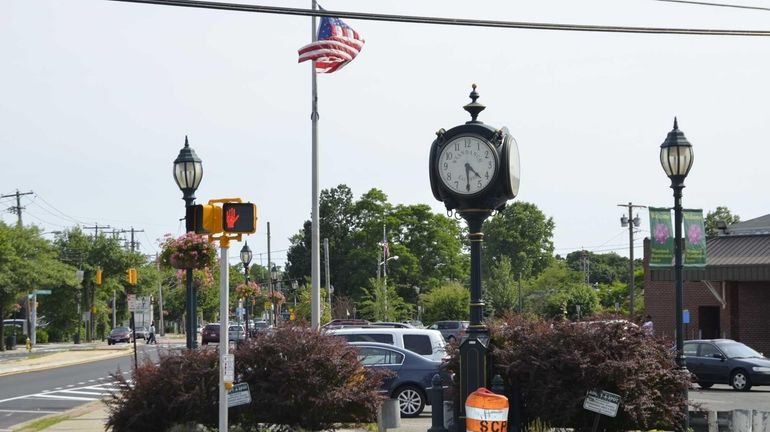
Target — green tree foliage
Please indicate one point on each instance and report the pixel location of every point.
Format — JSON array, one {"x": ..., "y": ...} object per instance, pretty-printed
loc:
[
  {"x": 447, "y": 302},
  {"x": 556, "y": 278},
  {"x": 429, "y": 246},
  {"x": 303, "y": 309},
  {"x": 27, "y": 262},
  {"x": 500, "y": 295},
  {"x": 602, "y": 268},
  {"x": 554, "y": 364},
  {"x": 719, "y": 214},
  {"x": 522, "y": 233},
  {"x": 381, "y": 303}
]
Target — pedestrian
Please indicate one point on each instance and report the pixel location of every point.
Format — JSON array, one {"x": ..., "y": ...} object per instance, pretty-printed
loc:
[
  {"x": 647, "y": 326},
  {"x": 151, "y": 338}
]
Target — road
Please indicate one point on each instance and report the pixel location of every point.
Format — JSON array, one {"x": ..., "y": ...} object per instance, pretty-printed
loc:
[
  {"x": 724, "y": 398},
  {"x": 30, "y": 395}
]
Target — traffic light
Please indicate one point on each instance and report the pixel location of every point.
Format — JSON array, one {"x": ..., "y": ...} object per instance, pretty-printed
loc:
[
  {"x": 204, "y": 219},
  {"x": 239, "y": 217},
  {"x": 99, "y": 276},
  {"x": 132, "y": 276}
]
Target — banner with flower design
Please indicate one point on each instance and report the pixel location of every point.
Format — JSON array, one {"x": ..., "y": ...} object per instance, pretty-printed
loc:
[
  {"x": 662, "y": 242},
  {"x": 694, "y": 239}
]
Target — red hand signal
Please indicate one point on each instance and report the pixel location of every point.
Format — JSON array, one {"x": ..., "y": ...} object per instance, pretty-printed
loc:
[{"x": 231, "y": 218}]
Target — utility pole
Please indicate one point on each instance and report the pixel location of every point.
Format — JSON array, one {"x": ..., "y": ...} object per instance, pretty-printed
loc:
[
  {"x": 632, "y": 222},
  {"x": 89, "y": 297},
  {"x": 18, "y": 208},
  {"x": 585, "y": 265},
  {"x": 96, "y": 229},
  {"x": 270, "y": 314},
  {"x": 160, "y": 296}
]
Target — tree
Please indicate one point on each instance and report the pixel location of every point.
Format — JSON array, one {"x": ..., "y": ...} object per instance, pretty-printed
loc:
[
  {"x": 381, "y": 303},
  {"x": 522, "y": 233},
  {"x": 429, "y": 246},
  {"x": 447, "y": 302},
  {"x": 543, "y": 293},
  {"x": 722, "y": 214},
  {"x": 499, "y": 294}
]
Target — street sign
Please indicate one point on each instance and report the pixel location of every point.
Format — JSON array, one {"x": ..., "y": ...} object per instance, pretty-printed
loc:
[
  {"x": 42, "y": 292},
  {"x": 602, "y": 402},
  {"x": 138, "y": 304},
  {"x": 240, "y": 311},
  {"x": 238, "y": 395},
  {"x": 228, "y": 363},
  {"x": 686, "y": 316}
]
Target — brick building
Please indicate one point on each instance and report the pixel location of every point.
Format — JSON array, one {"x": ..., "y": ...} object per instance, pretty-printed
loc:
[{"x": 729, "y": 298}]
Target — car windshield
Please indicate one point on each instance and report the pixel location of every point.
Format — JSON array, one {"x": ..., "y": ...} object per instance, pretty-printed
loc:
[
  {"x": 447, "y": 325},
  {"x": 260, "y": 324},
  {"x": 738, "y": 350},
  {"x": 120, "y": 330},
  {"x": 212, "y": 327},
  {"x": 236, "y": 328}
]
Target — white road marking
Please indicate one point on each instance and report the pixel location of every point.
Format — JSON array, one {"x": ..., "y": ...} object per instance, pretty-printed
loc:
[
  {"x": 53, "y": 396},
  {"x": 82, "y": 392},
  {"x": 30, "y": 412}
]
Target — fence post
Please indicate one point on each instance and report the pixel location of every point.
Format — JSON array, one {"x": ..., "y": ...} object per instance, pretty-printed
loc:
[{"x": 437, "y": 404}]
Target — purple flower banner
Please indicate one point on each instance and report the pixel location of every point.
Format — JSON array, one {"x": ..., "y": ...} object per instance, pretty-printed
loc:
[
  {"x": 694, "y": 239},
  {"x": 662, "y": 238}
]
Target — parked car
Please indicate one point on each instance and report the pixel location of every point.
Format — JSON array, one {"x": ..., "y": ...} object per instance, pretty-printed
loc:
[
  {"x": 236, "y": 333},
  {"x": 412, "y": 374},
  {"x": 390, "y": 324},
  {"x": 210, "y": 334},
  {"x": 259, "y": 326},
  {"x": 725, "y": 361},
  {"x": 119, "y": 334},
  {"x": 340, "y": 323},
  {"x": 425, "y": 342},
  {"x": 451, "y": 330},
  {"x": 142, "y": 333},
  {"x": 415, "y": 323}
]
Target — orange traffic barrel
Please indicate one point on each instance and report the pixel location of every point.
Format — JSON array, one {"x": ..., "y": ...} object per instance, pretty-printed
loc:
[{"x": 486, "y": 412}]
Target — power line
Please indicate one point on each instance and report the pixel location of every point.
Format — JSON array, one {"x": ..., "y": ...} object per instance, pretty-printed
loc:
[
  {"x": 237, "y": 7},
  {"x": 59, "y": 211},
  {"x": 716, "y": 4}
]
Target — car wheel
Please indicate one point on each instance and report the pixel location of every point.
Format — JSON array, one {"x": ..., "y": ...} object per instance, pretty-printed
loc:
[
  {"x": 109, "y": 342},
  {"x": 740, "y": 380},
  {"x": 411, "y": 400},
  {"x": 705, "y": 385},
  {"x": 204, "y": 343}
]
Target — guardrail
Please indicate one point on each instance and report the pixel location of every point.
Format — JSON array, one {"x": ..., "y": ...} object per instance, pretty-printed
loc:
[{"x": 744, "y": 420}]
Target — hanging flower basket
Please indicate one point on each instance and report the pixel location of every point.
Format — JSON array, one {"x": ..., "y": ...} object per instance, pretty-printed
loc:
[
  {"x": 188, "y": 251},
  {"x": 246, "y": 291},
  {"x": 276, "y": 297}
]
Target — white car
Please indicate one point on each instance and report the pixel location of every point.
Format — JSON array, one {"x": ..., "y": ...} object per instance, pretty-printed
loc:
[
  {"x": 236, "y": 332},
  {"x": 427, "y": 343}
]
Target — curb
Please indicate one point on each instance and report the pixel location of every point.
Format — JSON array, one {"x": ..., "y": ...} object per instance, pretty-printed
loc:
[
  {"x": 68, "y": 363},
  {"x": 69, "y": 414}
]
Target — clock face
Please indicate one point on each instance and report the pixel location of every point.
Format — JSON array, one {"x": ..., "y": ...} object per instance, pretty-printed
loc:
[{"x": 467, "y": 164}]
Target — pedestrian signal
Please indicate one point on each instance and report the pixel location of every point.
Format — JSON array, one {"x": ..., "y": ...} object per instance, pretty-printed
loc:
[
  {"x": 204, "y": 219},
  {"x": 239, "y": 217}
]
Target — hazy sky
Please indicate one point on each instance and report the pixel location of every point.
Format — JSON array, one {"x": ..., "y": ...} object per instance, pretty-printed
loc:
[{"x": 96, "y": 98}]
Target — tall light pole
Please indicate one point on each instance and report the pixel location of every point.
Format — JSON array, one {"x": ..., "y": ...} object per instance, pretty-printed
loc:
[
  {"x": 246, "y": 256},
  {"x": 79, "y": 276},
  {"x": 631, "y": 222},
  {"x": 676, "y": 157},
  {"x": 384, "y": 265},
  {"x": 188, "y": 172}
]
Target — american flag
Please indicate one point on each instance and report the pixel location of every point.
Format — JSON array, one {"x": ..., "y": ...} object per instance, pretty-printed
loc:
[{"x": 337, "y": 45}]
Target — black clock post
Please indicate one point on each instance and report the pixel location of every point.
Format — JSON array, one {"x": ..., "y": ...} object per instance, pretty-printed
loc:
[{"x": 474, "y": 170}]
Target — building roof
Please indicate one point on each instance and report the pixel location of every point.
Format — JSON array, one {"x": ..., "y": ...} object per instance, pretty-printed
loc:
[{"x": 760, "y": 225}]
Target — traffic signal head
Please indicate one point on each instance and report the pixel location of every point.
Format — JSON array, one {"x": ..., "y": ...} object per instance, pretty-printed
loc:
[
  {"x": 239, "y": 218},
  {"x": 99, "y": 276},
  {"x": 204, "y": 219},
  {"x": 132, "y": 276}
]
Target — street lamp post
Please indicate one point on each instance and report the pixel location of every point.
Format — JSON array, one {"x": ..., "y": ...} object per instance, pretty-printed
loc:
[
  {"x": 274, "y": 287},
  {"x": 246, "y": 256},
  {"x": 676, "y": 157},
  {"x": 188, "y": 172},
  {"x": 631, "y": 222},
  {"x": 79, "y": 276},
  {"x": 384, "y": 265}
]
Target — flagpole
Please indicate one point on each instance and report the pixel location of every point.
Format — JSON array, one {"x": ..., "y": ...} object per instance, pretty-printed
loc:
[{"x": 315, "y": 259}]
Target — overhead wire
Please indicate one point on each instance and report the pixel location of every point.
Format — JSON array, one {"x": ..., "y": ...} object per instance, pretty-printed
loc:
[
  {"x": 238, "y": 7},
  {"x": 700, "y": 3}
]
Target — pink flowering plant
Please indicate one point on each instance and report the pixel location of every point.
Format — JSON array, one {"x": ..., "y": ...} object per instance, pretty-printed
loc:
[
  {"x": 247, "y": 290},
  {"x": 188, "y": 251},
  {"x": 276, "y": 297}
]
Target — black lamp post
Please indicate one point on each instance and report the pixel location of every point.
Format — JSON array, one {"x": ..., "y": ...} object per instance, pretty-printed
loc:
[
  {"x": 246, "y": 256},
  {"x": 188, "y": 172},
  {"x": 676, "y": 157}
]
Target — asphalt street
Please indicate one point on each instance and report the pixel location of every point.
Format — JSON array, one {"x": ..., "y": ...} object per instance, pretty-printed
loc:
[{"x": 30, "y": 395}]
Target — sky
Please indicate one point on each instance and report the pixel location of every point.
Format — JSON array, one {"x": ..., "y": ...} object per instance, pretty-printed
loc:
[{"x": 96, "y": 98}]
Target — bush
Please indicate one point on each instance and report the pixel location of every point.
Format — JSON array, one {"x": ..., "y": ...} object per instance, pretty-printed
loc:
[
  {"x": 41, "y": 335},
  {"x": 298, "y": 378},
  {"x": 554, "y": 364}
]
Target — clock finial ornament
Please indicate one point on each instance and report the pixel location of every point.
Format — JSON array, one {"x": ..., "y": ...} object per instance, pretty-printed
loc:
[{"x": 474, "y": 108}]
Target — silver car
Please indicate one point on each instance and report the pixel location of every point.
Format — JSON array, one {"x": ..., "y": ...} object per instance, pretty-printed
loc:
[
  {"x": 236, "y": 333},
  {"x": 451, "y": 330}
]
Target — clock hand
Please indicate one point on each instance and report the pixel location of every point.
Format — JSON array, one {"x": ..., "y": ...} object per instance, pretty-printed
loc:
[
  {"x": 474, "y": 171},
  {"x": 467, "y": 176}
]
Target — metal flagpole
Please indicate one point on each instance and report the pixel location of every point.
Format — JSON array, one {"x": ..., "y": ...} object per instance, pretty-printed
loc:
[{"x": 315, "y": 260}]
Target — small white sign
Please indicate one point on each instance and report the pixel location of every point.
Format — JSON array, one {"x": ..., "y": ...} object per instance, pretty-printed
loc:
[
  {"x": 602, "y": 402},
  {"x": 238, "y": 395},
  {"x": 228, "y": 363}
]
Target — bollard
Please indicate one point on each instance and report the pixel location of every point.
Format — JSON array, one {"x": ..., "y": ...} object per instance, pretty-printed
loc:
[
  {"x": 497, "y": 385},
  {"x": 29, "y": 345},
  {"x": 437, "y": 404},
  {"x": 486, "y": 412}
]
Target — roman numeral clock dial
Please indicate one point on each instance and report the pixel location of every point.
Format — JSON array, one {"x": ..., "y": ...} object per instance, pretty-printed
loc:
[{"x": 467, "y": 165}]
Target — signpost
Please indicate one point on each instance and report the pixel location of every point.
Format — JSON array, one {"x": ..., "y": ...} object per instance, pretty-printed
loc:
[
  {"x": 602, "y": 403},
  {"x": 239, "y": 395}
]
